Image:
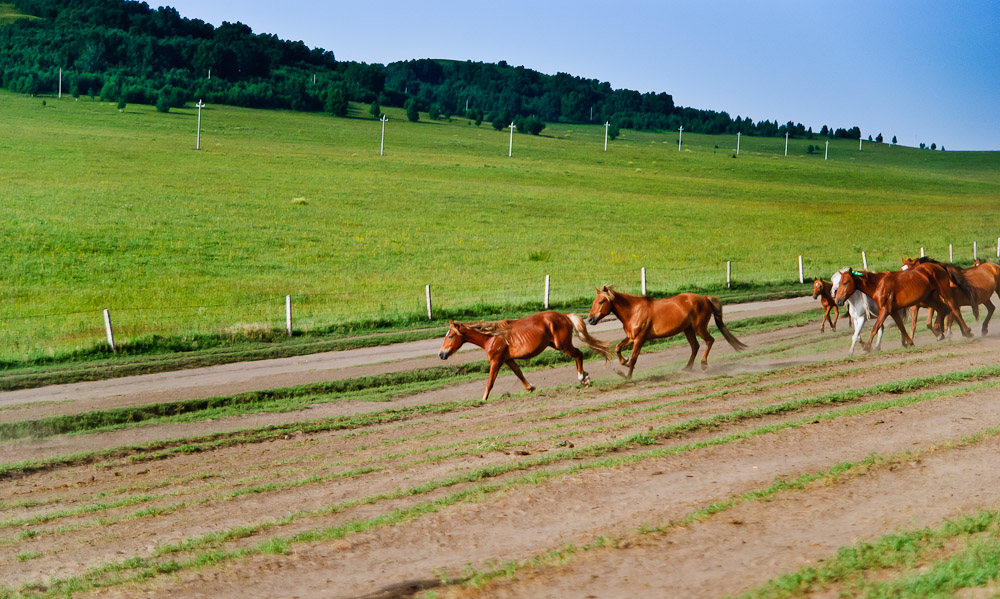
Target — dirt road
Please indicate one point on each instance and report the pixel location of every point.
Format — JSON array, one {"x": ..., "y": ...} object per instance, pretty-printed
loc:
[{"x": 420, "y": 490}]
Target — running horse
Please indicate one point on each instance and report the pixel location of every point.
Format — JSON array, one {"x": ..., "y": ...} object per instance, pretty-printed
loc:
[
  {"x": 821, "y": 289},
  {"x": 929, "y": 285},
  {"x": 525, "y": 337},
  {"x": 981, "y": 281},
  {"x": 646, "y": 318}
]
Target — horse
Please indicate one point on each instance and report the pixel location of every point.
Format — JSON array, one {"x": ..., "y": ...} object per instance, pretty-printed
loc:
[
  {"x": 860, "y": 308},
  {"x": 980, "y": 284},
  {"x": 928, "y": 284},
  {"x": 526, "y": 337},
  {"x": 646, "y": 318},
  {"x": 821, "y": 289}
]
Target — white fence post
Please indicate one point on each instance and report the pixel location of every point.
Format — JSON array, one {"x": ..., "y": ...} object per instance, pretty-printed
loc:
[
  {"x": 430, "y": 315},
  {"x": 546, "y": 292},
  {"x": 107, "y": 328},
  {"x": 643, "y": 271},
  {"x": 864, "y": 260},
  {"x": 801, "y": 280},
  {"x": 975, "y": 251},
  {"x": 729, "y": 273},
  {"x": 921, "y": 252},
  {"x": 288, "y": 314},
  {"x": 998, "y": 247}
]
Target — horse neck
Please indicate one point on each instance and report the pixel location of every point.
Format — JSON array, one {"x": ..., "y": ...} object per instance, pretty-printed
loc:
[
  {"x": 825, "y": 292},
  {"x": 867, "y": 283},
  {"x": 474, "y": 337},
  {"x": 623, "y": 305}
]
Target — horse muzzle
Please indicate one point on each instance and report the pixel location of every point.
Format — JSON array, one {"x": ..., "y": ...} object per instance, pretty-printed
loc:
[
  {"x": 594, "y": 320},
  {"x": 443, "y": 355},
  {"x": 839, "y": 301}
]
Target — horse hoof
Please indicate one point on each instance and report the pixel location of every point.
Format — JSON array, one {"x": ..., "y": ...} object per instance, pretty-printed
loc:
[
  {"x": 531, "y": 388},
  {"x": 704, "y": 365}
]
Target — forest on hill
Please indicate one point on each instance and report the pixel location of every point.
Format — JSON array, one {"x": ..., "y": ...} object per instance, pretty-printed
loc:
[{"x": 125, "y": 51}]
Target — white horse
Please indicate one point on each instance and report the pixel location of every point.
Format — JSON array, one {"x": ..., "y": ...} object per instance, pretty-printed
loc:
[{"x": 860, "y": 307}]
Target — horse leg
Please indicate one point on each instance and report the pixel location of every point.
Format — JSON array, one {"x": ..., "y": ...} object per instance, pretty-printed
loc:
[
  {"x": 517, "y": 370},
  {"x": 836, "y": 317},
  {"x": 618, "y": 350},
  {"x": 883, "y": 313},
  {"x": 957, "y": 311},
  {"x": 826, "y": 319},
  {"x": 709, "y": 341},
  {"x": 494, "y": 369},
  {"x": 898, "y": 319},
  {"x": 577, "y": 355},
  {"x": 989, "y": 314},
  {"x": 636, "y": 348},
  {"x": 689, "y": 333},
  {"x": 859, "y": 323}
]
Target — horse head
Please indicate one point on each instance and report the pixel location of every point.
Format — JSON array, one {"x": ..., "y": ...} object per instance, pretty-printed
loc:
[
  {"x": 817, "y": 288},
  {"x": 602, "y": 304},
  {"x": 843, "y": 282},
  {"x": 453, "y": 340},
  {"x": 909, "y": 263}
]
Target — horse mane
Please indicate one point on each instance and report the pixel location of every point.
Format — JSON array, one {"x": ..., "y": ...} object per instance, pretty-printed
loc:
[
  {"x": 607, "y": 292},
  {"x": 499, "y": 328},
  {"x": 928, "y": 260}
]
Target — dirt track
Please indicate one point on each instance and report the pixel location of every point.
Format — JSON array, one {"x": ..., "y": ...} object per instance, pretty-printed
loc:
[{"x": 367, "y": 510}]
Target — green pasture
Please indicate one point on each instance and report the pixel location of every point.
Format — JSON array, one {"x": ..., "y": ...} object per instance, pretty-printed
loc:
[{"x": 108, "y": 209}]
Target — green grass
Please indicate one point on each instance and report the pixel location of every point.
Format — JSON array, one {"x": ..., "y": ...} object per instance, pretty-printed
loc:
[
  {"x": 111, "y": 210},
  {"x": 907, "y": 564}
]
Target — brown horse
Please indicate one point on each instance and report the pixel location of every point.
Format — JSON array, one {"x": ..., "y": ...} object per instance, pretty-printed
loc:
[
  {"x": 927, "y": 285},
  {"x": 647, "y": 318},
  {"x": 523, "y": 338},
  {"x": 970, "y": 287},
  {"x": 821, "y": 289}
]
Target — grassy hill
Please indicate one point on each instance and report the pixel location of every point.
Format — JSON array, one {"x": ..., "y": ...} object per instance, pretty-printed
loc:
[{"x": 103, "y": 209}]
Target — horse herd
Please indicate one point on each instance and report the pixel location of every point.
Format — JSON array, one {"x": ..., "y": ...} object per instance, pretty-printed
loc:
[{"x": 920, "y": 283}]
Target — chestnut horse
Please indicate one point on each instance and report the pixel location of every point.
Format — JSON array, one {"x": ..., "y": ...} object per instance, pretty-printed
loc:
[
  {"x": 980, "y": 284},
  {"x": 647, "y": 318},
  {"x": 523, "y": 338},
  {"x": 927, "y": 285},
  {"x": 821, "y": 289}
]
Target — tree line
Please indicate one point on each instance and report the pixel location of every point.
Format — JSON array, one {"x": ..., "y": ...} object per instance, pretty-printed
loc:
[{"x": 125, "y": 51}]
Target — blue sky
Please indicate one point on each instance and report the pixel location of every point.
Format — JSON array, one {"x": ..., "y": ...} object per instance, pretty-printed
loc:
[{"x": 920, "y": 70}]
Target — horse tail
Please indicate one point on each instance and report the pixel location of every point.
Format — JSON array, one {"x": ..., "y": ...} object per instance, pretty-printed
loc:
[
  {"x": 717, "y": 313},
  {"x": 602, "y": 348},
  {"x": 958, "y": 278}
]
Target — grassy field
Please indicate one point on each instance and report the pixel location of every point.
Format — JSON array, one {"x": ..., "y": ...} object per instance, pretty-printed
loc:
[{"x": 103, "y": 209}]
